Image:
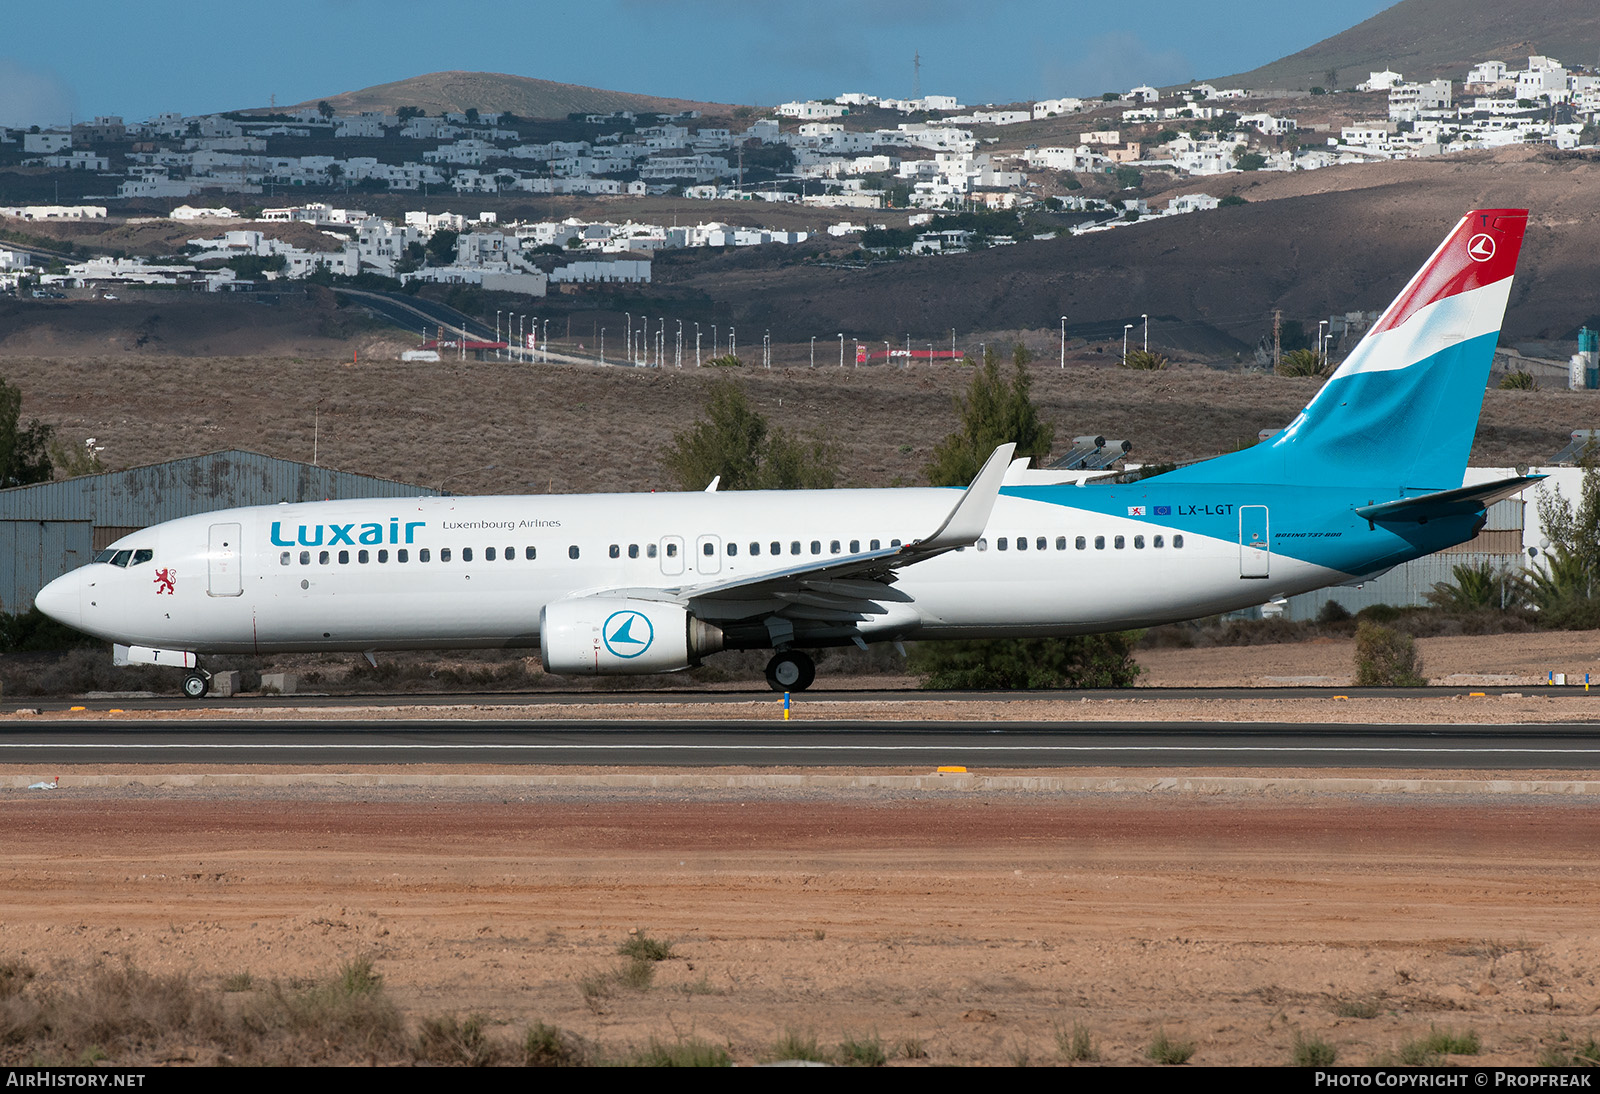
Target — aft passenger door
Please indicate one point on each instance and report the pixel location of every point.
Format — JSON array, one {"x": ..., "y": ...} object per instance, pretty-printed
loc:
[{"x": 1255, "y": 543}]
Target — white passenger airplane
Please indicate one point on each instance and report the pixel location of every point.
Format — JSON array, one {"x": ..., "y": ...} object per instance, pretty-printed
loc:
[{"x": 1366, "y": 477}]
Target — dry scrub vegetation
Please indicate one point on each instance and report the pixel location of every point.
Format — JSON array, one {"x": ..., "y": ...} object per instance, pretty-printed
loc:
[{"x": 505, "y": 428}]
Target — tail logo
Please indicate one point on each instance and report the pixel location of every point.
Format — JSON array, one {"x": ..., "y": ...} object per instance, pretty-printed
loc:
[{"x": 1480, "y": 248}]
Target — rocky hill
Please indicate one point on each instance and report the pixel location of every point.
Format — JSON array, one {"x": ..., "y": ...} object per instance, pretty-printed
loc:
[
  {"x": 440, "y": 92},
  {"x": 1433, "y": 39}
]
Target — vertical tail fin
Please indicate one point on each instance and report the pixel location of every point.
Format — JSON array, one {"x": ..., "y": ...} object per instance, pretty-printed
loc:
[{"x": 1402, "y": 409}]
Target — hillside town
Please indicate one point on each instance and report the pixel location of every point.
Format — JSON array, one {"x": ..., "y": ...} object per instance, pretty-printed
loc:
[{"x": 945, "y": 157}]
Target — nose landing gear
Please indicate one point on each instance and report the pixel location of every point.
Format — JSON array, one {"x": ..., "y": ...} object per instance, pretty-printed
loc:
[{"x": 790, "y": 670}]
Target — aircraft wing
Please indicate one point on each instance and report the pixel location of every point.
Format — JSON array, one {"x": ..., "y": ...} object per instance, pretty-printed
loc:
[{"x": 840, "y": 587}]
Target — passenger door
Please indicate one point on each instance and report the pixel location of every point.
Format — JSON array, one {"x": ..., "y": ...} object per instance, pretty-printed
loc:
[{"x": 225, "y": 579}]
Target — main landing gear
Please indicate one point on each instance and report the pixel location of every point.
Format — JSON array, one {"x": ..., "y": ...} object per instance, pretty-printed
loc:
[
  {"x": 196, "y": 684},
  {"x": 790, "y": 670}
]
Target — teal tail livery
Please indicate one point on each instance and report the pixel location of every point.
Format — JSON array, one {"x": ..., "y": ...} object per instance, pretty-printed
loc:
[{"x": 1369, "y": 475}]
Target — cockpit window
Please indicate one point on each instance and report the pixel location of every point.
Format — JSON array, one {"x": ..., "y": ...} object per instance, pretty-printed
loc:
[
  {"x": 121, "y": 558},
  {"x": 106, "y": 556},
  {"x": 142, "y": 556}
]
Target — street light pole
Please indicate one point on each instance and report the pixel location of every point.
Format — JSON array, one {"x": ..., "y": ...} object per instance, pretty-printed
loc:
[
  {"x": 952, "y": 343},
  {"x": 697, "y": 345},
  {"x": 1146, "y": 319},
  {"x": 841, "y": 349},
  {"x": 1126, "y": 327},
  {"x": 813, "y": 351},
  {"x": 1063, "y": 342},
  {"x": 602, "y": 345},
  {"x": 499, "y": 354},
  {"x": 1322, "y": 347}
]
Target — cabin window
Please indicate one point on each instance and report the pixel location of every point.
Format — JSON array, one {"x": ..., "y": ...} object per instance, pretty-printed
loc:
[
  {"x": 1022, "y": 543},
  {"x": 572, "y": 552},
  {"x": 816, "y": 546},
  {"x": 1061, "y": 543},
  {"x": 615, "y": 550},
  {"x": 1119, "y": 543},
  {"x": 402, "y": 555},
  {"x": 1080, "y": 543},
  {"x": 322, "y": 558},
  {"x": 835, "y": 547},
  {"x": 423, "y": 555},
  {"x": 672, "y": 551},
  {"x": 1039, "y": 544},
  {"x": 511, "y": 554},
  {"x": 650, "y": 551},
  {"x": 1177, "y": 541},
  {"x": 633, "y": 550},
  {"x": 894, "y": 543},
  {"x": 755, "y": 548},
  {"x": 363, "y": 556},
  {"x": 794, "y": 547},
  {"x": 383, "y": 556},
  {"x": 983, "y": 544},
  {"x": 284, "y": 558},
  {"x": 855, "y": 546},
  {"x": 873, "y": 545},
  {"x": 1099, "y": 543},
  {"x": 444, "y": 554},
  {"x": 488, "y": 554},
  {"x": 1001, "y": 543},
  {"x": 708, "y": 548},
  {"x": 344, "y": 558},
  {"x": 1159, "y": 541},
  {"x": 777, "y": 548},
  {"x": 1138, "y": 543},
  {"x": 305, "y": 558},
  {"x": 733, "y": 548}
]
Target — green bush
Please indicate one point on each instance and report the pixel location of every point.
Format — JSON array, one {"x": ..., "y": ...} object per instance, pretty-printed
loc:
[
  {"x": 1386, "y": 658},
  {"x": 1083, "y": 661}
]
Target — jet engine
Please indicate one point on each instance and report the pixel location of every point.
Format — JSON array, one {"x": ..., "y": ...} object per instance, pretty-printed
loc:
[{"x": 608, "y": 636}]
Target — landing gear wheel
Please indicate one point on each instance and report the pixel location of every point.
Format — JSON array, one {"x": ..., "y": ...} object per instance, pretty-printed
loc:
[
  {"x": 790, "y": 670},
  {"x": 195, "y": 685}
]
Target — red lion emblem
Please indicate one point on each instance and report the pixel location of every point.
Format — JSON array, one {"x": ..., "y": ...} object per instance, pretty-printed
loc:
[{"x": 164, "y": 580}]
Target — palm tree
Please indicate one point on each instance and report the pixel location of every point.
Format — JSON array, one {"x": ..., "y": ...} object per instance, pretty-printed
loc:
[{"x": 1304, "y": 362}]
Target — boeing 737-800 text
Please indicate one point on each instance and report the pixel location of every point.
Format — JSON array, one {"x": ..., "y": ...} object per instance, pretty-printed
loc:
[{"x": 1367, "y": 476}]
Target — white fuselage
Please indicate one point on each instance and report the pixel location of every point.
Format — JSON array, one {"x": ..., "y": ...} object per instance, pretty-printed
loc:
[{"x": 476, "y": 572}]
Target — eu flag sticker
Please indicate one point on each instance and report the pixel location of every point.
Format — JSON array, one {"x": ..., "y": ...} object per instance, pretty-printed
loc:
[{"x": 1163, "y": 510}]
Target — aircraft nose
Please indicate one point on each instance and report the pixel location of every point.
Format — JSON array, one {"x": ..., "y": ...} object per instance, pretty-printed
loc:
[{"x": 62, "y": 600}]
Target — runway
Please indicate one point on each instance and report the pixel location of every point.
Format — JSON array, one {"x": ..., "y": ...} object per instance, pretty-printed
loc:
[{"x": 851, "y": 743}]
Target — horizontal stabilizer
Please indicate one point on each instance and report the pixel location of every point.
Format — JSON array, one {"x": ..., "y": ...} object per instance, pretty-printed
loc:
[{"x": 1461, "y": 501}]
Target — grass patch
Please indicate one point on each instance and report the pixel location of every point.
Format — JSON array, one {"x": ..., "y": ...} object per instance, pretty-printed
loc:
[
  {"x": 1358, "y": 1008},
  {"x": 1439, "y": 1042},
  {"x": 239, "y": 981},
  {"x": 1165, "y": 1050},
  {"x": 549, "y": 1046},
  {"x": 1076, "y": 1044},
  {"x": 1312, "y": 1052},
  {"x": 1568, "y": 1053},
  {"x": 449, "y": 1040},
  {"x": 861, "y": 1052},
  {"x": 795, "y": 1046},
  {"x": 641, "y": 947},
  {"x": 684, "y": 1052}
]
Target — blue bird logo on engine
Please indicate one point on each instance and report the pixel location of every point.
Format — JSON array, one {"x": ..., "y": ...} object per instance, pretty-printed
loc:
[{"x": 628, "y": 633}]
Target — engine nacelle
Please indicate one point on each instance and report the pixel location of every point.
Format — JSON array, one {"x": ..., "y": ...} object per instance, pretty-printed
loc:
[{"x": 613, "y": 636}]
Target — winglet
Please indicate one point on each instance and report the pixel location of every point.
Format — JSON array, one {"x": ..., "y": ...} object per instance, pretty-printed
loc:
[{"x": 968, "y": 519}]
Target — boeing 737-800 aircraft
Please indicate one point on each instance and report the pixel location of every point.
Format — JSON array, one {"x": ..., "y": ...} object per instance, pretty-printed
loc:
[{"x": 1369, "y": 475}]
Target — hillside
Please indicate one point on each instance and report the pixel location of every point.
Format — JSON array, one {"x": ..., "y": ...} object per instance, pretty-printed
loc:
[
  {"x": 1313, "y": 243},
  {"x": 439, "y": 92},
  {"x": 1432, "y": 39}
]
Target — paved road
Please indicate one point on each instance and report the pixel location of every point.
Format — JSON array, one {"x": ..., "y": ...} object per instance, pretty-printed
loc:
[{"x": 678, "y": 744}]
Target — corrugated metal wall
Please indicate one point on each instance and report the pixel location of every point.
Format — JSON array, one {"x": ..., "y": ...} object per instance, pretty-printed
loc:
[{"x": 52, "y": 527}]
